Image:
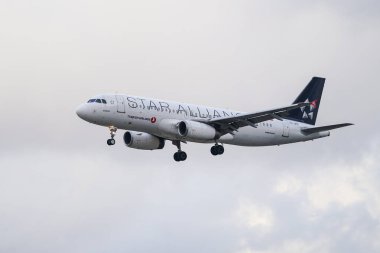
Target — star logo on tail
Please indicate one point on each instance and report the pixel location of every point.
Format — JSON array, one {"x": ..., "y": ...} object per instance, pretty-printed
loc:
[
  {"x": 309, "y": 114},
  {"x": 313, "y": 105}
]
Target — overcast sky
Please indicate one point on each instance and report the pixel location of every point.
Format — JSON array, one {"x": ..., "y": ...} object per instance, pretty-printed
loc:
[{"x": 62, "y": 189}]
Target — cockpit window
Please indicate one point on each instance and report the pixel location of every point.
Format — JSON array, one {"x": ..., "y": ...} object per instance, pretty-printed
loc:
[{"x": 100, "y": 101}]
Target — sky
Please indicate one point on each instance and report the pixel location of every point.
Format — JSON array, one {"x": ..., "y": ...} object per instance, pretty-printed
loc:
[{"x": 62, "y": 189}]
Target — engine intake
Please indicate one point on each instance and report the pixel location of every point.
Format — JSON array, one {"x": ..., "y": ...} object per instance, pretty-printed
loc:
[{"x": 144, "y": 141}]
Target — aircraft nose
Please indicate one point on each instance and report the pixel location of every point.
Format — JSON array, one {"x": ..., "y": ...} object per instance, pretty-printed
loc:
[{"x": 81, "y": 111}]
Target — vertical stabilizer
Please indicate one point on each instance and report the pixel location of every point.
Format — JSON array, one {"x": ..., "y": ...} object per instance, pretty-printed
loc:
[{"x": 311, "y": 94}]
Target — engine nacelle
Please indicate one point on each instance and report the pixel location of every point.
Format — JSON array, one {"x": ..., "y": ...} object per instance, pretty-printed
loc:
[
  {"x": 169, "y": 128},
  {"x": 196, "y": 131},
  {"x": 143, "y": 141}
]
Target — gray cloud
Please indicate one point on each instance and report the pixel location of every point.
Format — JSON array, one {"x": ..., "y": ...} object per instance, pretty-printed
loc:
[{"x": 62, "y": 189}]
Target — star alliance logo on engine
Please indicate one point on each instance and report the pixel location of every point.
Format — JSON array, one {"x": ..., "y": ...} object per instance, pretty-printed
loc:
[{"x": 308, "y": 113}]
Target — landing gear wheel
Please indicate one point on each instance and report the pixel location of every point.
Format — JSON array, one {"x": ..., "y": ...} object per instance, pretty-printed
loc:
[
  {"x": 111, "y": 142},
  {"x": 220, "y": 149},
  {"x": 176, "y": 157},
  {"x": 217, "y": 150},
  {"x": 214, "y": 150},
  {"x": 180, "y": 156}
]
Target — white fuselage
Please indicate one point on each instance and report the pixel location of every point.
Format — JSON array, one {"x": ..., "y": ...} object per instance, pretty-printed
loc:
[{"x": 145, "y": 115}]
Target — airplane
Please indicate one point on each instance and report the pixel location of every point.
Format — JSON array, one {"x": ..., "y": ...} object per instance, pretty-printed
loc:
[{"x": 151, "y": 122}]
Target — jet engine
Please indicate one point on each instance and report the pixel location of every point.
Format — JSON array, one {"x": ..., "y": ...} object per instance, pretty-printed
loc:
[
  {"x": 143, "y": 141},
  {"x": 196, "y": 131},
  {"x": 169, "y": 128}
]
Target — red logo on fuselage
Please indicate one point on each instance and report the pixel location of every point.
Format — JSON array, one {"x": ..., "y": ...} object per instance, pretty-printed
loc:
[{"x": 153, "y": 120}]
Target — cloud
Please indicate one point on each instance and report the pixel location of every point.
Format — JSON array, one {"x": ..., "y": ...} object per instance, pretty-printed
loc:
[
  {"x": 255, "y": 216},
  {"x": 327, "y": 208},
  {"x": 347, "y": 185},
  {"x": 341, "y": 183},
  {"x": 295, "y": 246},
  {"x": 288, "y": 185},
  {"x": 93, "y": 204},
  {"x": 63, "y": 190},
  {"x": 339, "y": 188}
]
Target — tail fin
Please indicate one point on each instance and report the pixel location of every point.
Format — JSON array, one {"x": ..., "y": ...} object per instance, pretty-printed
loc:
[{"x": 311, "y": 94}]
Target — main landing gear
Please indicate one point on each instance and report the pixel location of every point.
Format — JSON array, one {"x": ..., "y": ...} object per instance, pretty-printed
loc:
[
  {"x": 217, "y": 150},
  {"x": 182, "y": 156},
  {"x": 179, "y": 155},
  {"x": 112, "y": 141}
]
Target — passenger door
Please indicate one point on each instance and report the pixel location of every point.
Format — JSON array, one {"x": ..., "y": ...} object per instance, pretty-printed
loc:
[
  {"x": 285, "y": 132},
  {"x": 120, "y": 103}
]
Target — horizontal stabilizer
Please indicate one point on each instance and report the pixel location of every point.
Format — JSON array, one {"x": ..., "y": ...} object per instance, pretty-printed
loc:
[{"x": 312, "y": 130}]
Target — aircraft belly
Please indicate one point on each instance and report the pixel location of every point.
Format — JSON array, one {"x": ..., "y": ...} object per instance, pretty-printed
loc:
[{"x": 250, "y": 136}]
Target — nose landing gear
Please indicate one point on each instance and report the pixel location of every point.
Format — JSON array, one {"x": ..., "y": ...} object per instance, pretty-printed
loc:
[
  {"x": 180, "y": 155},
  {"x": 112, "y": 141}
]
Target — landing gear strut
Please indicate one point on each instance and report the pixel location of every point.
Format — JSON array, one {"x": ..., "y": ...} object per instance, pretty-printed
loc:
[
  {"x": 179, "y": 155},
  {"x": 217, "y": 150},
  {"x": 112, "y": 141}
]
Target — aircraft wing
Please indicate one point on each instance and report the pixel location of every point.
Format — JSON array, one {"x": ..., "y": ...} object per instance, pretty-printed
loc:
[
  {"x": 312, "y": 130},
  {"x": 232, "y": 123}
]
